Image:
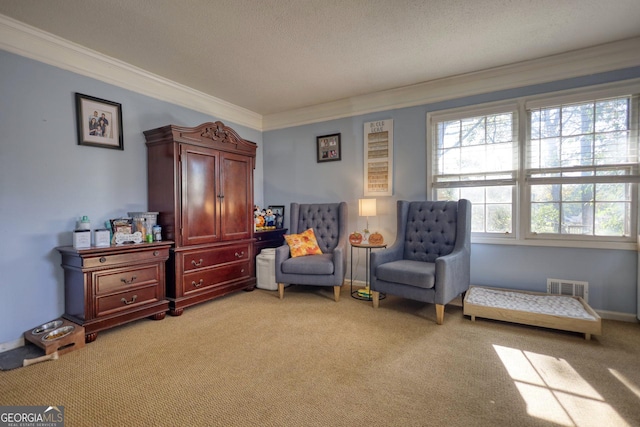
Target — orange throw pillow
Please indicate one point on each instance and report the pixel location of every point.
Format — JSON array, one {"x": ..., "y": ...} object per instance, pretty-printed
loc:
[{"x": 303, "y": 244}]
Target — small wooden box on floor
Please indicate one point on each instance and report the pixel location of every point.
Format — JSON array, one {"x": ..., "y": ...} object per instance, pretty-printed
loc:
[
  {"x": 73, "y": 341},
  {"x": 499, "y": 310}
]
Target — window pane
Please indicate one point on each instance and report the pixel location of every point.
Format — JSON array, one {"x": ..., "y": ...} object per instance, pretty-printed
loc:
[
  {"x": 477, "y": 219},
  {"x": 500, "y": 157},
  {"x": 577, "y": 218},
  {"x": 499, "y": 128},
  {"x": 545, "y": 193},
  {"x": 550, "y": 123},
  {"x": 448, "y": 135},
  {"x": 545, "y": 218},
  {"x": 613, "y": 148},
  {"x": 577, "y": 151},
  {"x": 448, "y": 194},
  {"x": 577, "y": 192},
  {"x": 499, "y": 218},
  {"x": 474, "y": 194},
  {"x": 450, "y": 161},
  {"x": 473, "y": 159},
  {"x": 577, "y": 119},
  {"x": 501, "y": 194},
  {"x": 612, "y": 115},
  {"x": 473, "y": 132},
  {"x": 549, "y": 153},
  {"x": 612, "y": 192},
  {"x": 495, "y": 205},
  {"x": 611, "y": 219}
]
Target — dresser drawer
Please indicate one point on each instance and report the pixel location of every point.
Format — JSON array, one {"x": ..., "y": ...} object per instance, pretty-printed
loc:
[
  {"x": 215, "y": 276},
  {"x": 211, "y": 257},
  {"x": 126, "y": 300},
  {"x": 108, "y": 260},
  {"x": 121, "y": 279}
]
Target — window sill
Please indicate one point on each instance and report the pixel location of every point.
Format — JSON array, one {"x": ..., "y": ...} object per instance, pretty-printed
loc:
[{"x": 625, "y": 246}]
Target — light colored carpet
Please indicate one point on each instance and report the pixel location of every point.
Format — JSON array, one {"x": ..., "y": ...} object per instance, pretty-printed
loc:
[{"x": 250, "y": 359}]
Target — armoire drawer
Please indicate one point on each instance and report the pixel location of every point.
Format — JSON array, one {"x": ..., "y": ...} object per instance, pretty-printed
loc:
[
  {"x": 211, "y": 257},
  {"x": 126, "y": 300},
  {"x": 114, "y": 280},
  {"x": 197, "y": 280}
]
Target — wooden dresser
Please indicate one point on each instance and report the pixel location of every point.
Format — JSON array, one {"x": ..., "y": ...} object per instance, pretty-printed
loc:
[
  {"x": 200, "y": 180},
  {"x": 268, "y": 239},
  {"x": 109, "y": 286}
]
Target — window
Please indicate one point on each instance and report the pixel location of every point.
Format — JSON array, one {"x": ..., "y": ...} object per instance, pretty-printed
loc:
[
  {"x": 561, "y": 168},
  {"x": 475, "y": 158},
  {"x": 581, "y": 165}
]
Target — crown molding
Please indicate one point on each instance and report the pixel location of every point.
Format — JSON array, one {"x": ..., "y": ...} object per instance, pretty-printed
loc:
[
  {"x": 593, "y": 60},
  {"x": 21, "y": 39},
  {"x": 30, "y": 42}
]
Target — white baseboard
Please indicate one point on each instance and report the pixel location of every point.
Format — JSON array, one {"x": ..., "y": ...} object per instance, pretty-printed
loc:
[
  {"x": 358, "y": 283},
  {"x": 6, "y": 346},
  {"x": 615, "y": 315}
]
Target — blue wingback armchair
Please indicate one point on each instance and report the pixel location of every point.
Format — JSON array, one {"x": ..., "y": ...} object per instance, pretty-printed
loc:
[
  {"x": 329, "y": 223},
  {"x": 430, "y": 259}
]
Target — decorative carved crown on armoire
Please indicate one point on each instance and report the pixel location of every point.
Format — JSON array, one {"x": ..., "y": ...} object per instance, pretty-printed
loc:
[{"x": 200, "y": 180}]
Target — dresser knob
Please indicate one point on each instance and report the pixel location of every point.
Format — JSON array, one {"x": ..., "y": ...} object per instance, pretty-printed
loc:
[
  {"x": 239, "y": 255},
  {"x": 197, "y": 285},
  {"x": 103, "y": 259},
  {"x": 156, "y": 253},
  {"x": 128, "y": 282},
  {"x": 196, "y": 264}
]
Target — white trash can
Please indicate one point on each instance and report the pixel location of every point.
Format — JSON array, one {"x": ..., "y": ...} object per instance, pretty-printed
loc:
[{"x": 266, "y": 269}]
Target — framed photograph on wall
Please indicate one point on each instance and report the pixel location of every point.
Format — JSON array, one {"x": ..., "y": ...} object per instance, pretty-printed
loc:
[
  {"x": 278, "y": 212},
  {"x": 328, "y": 148},
  {"x": 99, "y": 122},
  {"x": 378, "y": 158}
]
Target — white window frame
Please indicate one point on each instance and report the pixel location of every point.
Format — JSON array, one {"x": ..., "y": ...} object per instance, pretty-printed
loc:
[
  {"x": 521, "y": 200},
  {"x": 477, "y": 111}
]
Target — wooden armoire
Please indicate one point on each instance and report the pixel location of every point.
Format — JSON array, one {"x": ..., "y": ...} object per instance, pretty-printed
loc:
[{"x": 200, "y": 181}]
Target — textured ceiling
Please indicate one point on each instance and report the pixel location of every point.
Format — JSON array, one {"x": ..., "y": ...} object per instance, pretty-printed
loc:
[{"x": 271, "y": 56}]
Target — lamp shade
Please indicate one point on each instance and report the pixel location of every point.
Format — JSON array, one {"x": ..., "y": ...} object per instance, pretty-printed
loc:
[{"x": 367, "y": 207}]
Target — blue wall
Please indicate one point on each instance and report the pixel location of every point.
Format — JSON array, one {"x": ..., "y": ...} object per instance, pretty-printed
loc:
[
  {"x": 292, "y": 174},
  {"x": 47, "y": 181}
]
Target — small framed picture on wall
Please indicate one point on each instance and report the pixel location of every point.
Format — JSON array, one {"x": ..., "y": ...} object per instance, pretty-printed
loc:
[
  {"x": 99, "y": 122},
  {"x": 328, "y": 148}
]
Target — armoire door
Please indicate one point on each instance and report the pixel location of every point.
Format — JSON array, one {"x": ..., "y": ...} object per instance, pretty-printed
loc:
[
  {"x": 237, "y": 196},
  {"x": 200, "y": 196}
]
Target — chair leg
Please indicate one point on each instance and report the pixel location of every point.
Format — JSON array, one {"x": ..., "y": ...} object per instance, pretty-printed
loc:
[
  {"x": 439, "y": 314},
  {"x": 375, "y": 297},
  {"x": 281, "y": 290},
  {"x": 336, "y": 293}
]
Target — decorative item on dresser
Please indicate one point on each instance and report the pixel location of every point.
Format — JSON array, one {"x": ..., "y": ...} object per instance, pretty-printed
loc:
[
  {"x": 108, "y": 286},
  {"x": 200, "y": 180}
]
